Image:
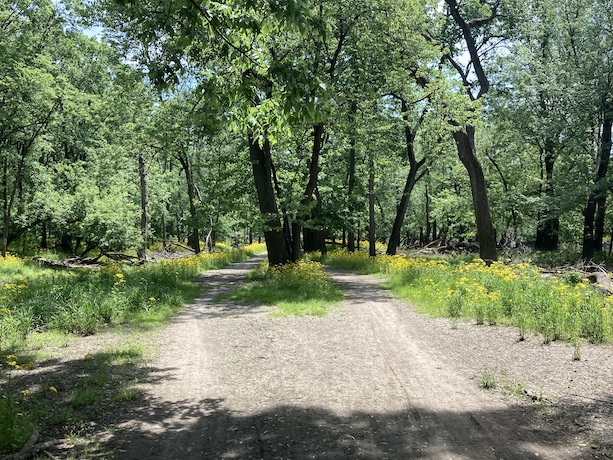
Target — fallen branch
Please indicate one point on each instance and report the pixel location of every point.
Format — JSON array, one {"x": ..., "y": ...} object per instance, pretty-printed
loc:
[{"x": 172, "y": 243}]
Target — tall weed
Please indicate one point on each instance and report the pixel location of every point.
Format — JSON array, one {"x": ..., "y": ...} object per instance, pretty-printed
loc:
[
  {"x": 503, "y": 293},
  {"x": 82, "y": 301}
]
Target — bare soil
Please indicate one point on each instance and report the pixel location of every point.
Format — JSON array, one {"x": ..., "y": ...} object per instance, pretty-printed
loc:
[{"x": 372, "y": 380}]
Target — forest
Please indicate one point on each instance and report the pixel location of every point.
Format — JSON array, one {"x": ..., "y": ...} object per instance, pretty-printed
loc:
[
  {"x": 214, "y": 132},
  {"x": 124, "y": 124}
]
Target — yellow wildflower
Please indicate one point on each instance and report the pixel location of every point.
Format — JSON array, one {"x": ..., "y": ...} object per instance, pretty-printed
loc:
[{"x": 53, "y": 389}]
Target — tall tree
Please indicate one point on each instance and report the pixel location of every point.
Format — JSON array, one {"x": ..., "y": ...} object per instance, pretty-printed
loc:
[{"x": 477, "y": 32}]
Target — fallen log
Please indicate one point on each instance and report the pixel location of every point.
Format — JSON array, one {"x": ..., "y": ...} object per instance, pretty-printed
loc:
[{"x": 182, "y": 246}]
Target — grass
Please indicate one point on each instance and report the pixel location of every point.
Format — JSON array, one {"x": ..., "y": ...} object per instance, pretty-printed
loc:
[
  {"x": 557, "y": 308},
  {"x": 488, "y": 380},
  {"x": 35, "y": 299},
  {"x": 298, "y": 289}
]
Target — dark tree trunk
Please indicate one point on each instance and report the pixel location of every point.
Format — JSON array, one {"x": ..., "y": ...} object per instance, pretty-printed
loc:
[
  {"x": 164, "y": 230},
  {"x": 428, "y": 228},
  {"x": 144, "y": 224},
  {"x": 412, "y": 179},
  {"x": 314, "y": 238},
  {"x": 601, "y": 202},
  {"x": 548, "y": 229},
  {"x": 372, "y": 226},
  {"x": 597, "y": 197},
  {"x": 465, "y": 142},
  {"x": 601, "y": 209},
  {"x": 307, "y": 198},
  {"x": 44, "y": 244},
  {"x": 261, "y": 163},
  {"x": 66, "y": 243},
  {"x": 5, "y": 207},
  {"x": 193, "y": 238}
]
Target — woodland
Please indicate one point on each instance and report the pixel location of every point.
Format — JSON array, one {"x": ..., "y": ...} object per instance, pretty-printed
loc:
[{"x": 127, "y": 123}]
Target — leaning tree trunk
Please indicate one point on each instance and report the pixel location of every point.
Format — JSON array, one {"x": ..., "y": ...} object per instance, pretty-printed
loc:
[
  {"x": 465, "y": 142},
  {"x": 261, "y": 163},
  {"x": 412, "y": 179},
  {"x": 594, "y": 224}
]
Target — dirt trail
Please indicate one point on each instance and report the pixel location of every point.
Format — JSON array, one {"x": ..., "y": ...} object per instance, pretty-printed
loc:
[{"x": 369, "y": 381}]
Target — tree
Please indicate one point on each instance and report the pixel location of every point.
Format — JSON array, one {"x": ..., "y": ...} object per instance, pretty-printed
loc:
[{"x": 476, "y": 33}]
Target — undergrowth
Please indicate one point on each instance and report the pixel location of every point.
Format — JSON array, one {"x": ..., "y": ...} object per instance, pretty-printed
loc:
[
  {"x": 82, "y": 301},
  {"x": 562, "y": 307},
  {"x": 300, "y": 289}
]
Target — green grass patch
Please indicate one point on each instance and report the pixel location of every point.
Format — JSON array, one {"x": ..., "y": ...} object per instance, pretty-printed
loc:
[
  {"x": 127, "y": 394},
  {"x": 84, "y": 397},
  {"x": 563, "y": 307},
  {"x": 296, "y": 289}
]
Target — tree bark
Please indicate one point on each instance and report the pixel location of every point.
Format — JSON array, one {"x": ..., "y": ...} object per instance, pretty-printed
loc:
[
  {"x": 43, "y": 236},
  {"x": 261, "y": 163},
  {"x": 597, "y": 197},
  {"x": 486, "y": 234}
]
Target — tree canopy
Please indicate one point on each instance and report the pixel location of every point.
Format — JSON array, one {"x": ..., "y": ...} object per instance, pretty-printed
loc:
[{"x": 397, "y": 121}]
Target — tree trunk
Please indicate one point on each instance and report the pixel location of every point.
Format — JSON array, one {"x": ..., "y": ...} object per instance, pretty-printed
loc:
[
  {"x": 548, "y": 229},
  {"x": 164, "y": 230},
  {"x": 144, "y": 224},
  {"x": 465, "y": 142},
  {"x": 372, "y": 226},
  {"x": 261, "y": 163},
  {"x": 5, "y": 207},
  {"x": 412, "y": 179},
  {"x": 304, "y": 213},
  {"x": 314, "y": 238},
  {"x": 597, "y": 197},
  {"x": 350, "y": 190},
  {"x": 43, "y": 236},
  {"x": 193, "y": 238}
]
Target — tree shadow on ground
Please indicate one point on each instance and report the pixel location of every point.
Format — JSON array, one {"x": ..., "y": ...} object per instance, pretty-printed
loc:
[
  {"x": 208, "y": 430},
  {"x": 111, "y": 425},
  {"x": 74, "y": 401}
]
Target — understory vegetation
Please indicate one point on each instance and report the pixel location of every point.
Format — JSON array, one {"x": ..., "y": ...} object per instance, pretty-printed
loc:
[
  {"x": 33, "y": 298},
  {"x": 564, "y": 307}
]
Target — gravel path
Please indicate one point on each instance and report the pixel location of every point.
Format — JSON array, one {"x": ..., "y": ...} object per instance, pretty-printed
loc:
[{"x": 372, "y": 380}]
